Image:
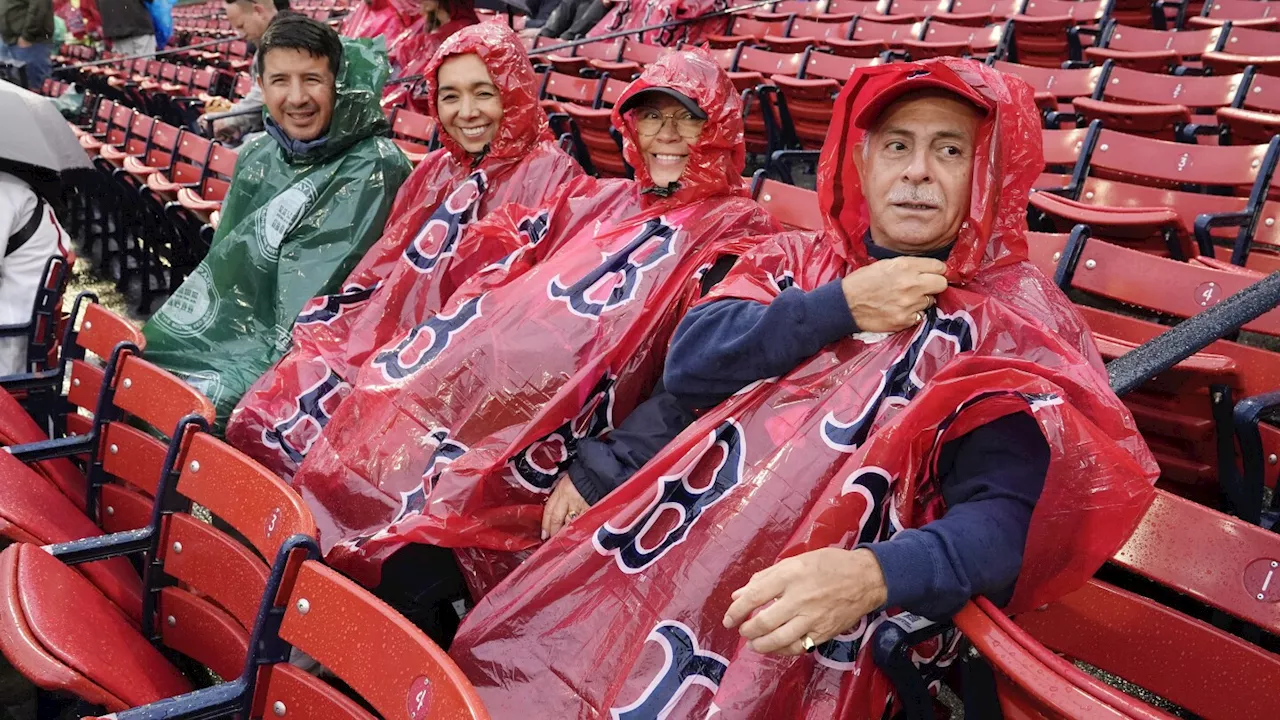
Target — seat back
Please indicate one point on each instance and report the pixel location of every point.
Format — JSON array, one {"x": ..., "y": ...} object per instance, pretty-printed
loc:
[
  {"x": 193, "y": 154},
  {"x": 1240, "y": 10},
  {"x": 741, "y": 25},
  {"x": 1161, "y": 163},
  {"x": 1189, "y": 44},
  {"x": 568, "y": 88},
  {"x": 103, "y": 116},
  {"x": 243, "y": 86},
  {"x": 891, "y": 33},
  {"x": 118, "y": 127},
  {"x": 217, "y": 177},
  {"x": 353, "y": 634},
  {"x": 164, "y": 146},
  {"x": 1062, "y": 84},
  {"x": 413, "y": 126},
  {"x": 916, "y": 9},
  {"x": 818, "y": 31},
  {"x": 978, "y": 39},
  {"x": 1143, "y": 88},
  {"x": 769, "y": 63},
  {"x": 638, "y": 52},
  {"x": 820, "y": 65},
  {"x": 1263, "y": 95},
  {"x": 856, "y": 7},
  {"x": 612, "y": 92},
  {"x": 607, "y": 51},
  {"x": 1215, "y": 559},
  {"x": 792, "y": 206}
]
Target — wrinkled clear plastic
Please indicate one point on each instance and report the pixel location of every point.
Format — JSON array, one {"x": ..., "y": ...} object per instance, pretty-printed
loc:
[
  {"x": 380, "y": 18},
  {"x": 293, "y": 226},
  {"x": 628, "y": 14},
  {"x": 623, "y": 610},
  {"x": 336, "y": 333},
  {"x": 461, "y": 421}
]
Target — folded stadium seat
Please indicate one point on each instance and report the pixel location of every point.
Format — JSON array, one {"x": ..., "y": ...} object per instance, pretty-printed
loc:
[
  {"x": 1159, "y": 106},
  {"x": 1055, "y": 88},
  {"x": 135, "y": 143},
  {"x": 742, "y": 29},
  {"x": 807, "y": 102},
  {"x": 1258, "y": 117},
  {"x": 978, "y": 13},
  {"x": 1240, "y": 13},
  {"x": 558, "y": 90},
  {"x": 913, "y": 11},
  {"x": 1041, "y": 28},
  {"x": 760, "y": 112},
  {"x": 633, "y": 56},
  {"x": 1245, "y": 46},
  {"x": 93, "y": 137},
  {"x": 114, "y": 132},
  {"x": 204, "y": 587},
  {"x": 1185, "y": 412},
  {"x": 381, "y": 659},
  {"x": 413, "y": 133},
  {"x": 1153, "y": 51},
  {"x": 843, "y": 10},
  {"x": 872, "y": 39},
  {"x": 573, "y": 64},
  {"x": 157, "y": 156},
  {"x": 938, "y": 39},
  {"x": 593, "y": 132},
  {"x": 213, "y": 188},
  {"x": 1130, "y": 191},
  {"x": 804, "y": 33},
  {"x": 238, "y": 57},
  {"x": 1181, "y": 546},
  {"x": 794, "y": 207},
  {"x": 1062, "y": 150}
]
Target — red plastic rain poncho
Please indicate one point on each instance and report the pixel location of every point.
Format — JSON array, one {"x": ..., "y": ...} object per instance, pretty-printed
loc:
[
  {"x": 622, "y": 612},
  {"x": 380, "y": 18},
  {"x": 284, "y": 411},
  {"x": 628, "y": 14},
  {"x": 413, "y": 50},
  {"x": 458, "y": 428}
]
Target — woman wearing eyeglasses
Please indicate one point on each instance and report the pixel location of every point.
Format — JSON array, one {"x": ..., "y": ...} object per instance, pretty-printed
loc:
[{"x": 459, "y": 427}]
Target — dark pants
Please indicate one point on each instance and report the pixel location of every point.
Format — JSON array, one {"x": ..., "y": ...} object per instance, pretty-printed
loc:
[
  {"x": 37, "y": 57},
  {"x": 422, "y": 582}
]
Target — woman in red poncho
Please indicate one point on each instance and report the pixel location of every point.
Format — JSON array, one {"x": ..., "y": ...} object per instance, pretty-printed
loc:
[
  {"x": 459, "y": 426},
  {"x": 379, "y": 18},
  {"x": 410, "y": 51},
  {"x": 624, "y": 613},
  {"x": 514, "y": 159}
]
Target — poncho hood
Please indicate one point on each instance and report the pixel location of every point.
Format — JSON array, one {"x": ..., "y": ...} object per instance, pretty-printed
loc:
[
  {"x": 524, "y": 124},
  {"x": 1008, "y": 162},
  {"x": 717, "y": 158},
  {"x": 357, "y": 111}
]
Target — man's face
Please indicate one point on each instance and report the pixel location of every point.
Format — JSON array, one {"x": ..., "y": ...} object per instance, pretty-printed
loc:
[
  {"x": 468, "y": 102},
  {"x": 249, "y": 19},
  {"x": 916, "y": 168},
  {"x": 298, "y": 89}
]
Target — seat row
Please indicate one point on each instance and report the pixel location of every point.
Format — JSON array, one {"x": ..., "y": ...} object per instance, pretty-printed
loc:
[{"x": 116, "y": 486}]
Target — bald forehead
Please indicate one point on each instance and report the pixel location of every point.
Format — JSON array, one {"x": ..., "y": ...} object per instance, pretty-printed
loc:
[{"x": 931, "y": 112}]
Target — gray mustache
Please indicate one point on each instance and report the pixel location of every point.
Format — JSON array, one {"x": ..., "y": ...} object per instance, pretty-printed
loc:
[{"x": 902, "y": 194}]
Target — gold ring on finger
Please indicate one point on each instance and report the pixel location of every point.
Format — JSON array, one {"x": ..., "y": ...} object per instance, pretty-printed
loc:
[
  {"x": 807, "y": 643},
  {"x": 571, "y": 517},
  {"x": 919, "y": 317}
]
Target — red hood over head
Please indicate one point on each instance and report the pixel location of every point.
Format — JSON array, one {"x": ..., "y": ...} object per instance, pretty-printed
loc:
[
  {"x": 1009, "y": 157},
  {"x": 524, "y": 124}
]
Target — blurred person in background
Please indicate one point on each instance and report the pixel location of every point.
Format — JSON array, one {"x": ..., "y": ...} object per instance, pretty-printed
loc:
[
  {"x": 127, "y": 24},
  {"x": 26, "y": 36},
  {"x": 250, "y": 18},
  {"x": 29, "y": 235}
]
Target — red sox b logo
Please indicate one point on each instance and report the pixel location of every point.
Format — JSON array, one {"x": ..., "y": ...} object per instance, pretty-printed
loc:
[
  {"x": 414, "y": 502},
  {"x": 295, "y": 434},
  {"x": 537, "y": 466},
  {"x": 684, "y": 665},
  {"x": 631, "y": 547},
  {"x": 614, "y": 282},
  {"x": 900, "y": 383},
  {"x": 426, "y": 341},
  {"x": 327, "y": 308},
  {"x": 438, "y": 237}
]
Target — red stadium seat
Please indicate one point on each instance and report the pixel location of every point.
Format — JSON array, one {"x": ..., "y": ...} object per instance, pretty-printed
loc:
[
  {"x": 1257, "y": 120},
  {"x": 1244, "y": 47},
  {"x": 938, "y": 39},
  {"x": 796, "y": 208},
  {"x": 1158, "y": 106},
  {"x": 205, "y": 586},
  {"x": 1041, "y": 28},
  {"x": 412, "y": 132},
  {"x": 804, "y": 32},
  {"x": 742, "y": 29},
  {"x": 871, "y": 39},
  {"x": 1153, "y": 51},
  {"x": 633, "y": 56},
  {"x": 1240, "y": 13},
  {"x": 1055, "y": 87}
]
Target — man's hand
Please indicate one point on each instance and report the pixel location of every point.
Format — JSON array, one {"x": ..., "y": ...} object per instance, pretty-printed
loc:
[
  {"x": 24, "y": 43},
  {"x": 820, "y": 594},
  {"x": 885, "y": 296},
  {"x": 564, "y": 506}
]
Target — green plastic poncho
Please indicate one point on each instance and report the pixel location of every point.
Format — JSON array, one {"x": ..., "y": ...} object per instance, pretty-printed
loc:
[{"x": 293, "y": 226}]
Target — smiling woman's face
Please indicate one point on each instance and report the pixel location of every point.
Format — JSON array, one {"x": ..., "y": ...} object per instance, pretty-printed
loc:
[
  {"x": 468, "y": 102},
  {"x": 665, "y": 131}
]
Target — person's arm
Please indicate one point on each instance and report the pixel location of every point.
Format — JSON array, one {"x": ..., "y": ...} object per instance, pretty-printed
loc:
[
  {"x": 991, "y": 480},
  {"x": 560, "y": 19},
  {"x": 721, "y": 347},
  {"x": 588, "y": 15},
  {"x": 604, "y": 463}
]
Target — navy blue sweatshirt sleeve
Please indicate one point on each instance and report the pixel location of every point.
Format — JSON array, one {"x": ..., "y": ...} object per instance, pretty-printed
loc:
[
  {"x": 991, "y": 479},
  {"x": 604, "y": 463},
  {"x": 721, "y": 347}
]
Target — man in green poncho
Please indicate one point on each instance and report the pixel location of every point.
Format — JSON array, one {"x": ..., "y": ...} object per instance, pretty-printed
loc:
[{"x": 305, "y": 203}]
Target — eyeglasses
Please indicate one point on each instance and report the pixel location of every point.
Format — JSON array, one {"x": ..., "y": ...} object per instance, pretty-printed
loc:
[{"x": 649, "y": 122}]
